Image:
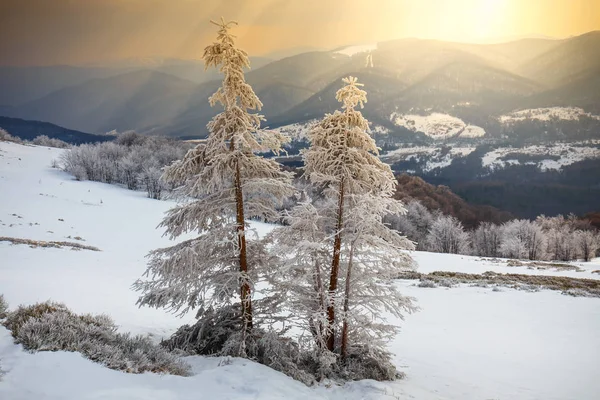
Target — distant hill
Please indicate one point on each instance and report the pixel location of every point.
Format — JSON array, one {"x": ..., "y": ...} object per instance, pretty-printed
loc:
[
  {"x": 123, "y": 102},
  {"x": 19, "y": 85},
  {"x": 29, "y": 130},
  {"x": 563, "y": 63},
  {"x": 443, "y": 199}
]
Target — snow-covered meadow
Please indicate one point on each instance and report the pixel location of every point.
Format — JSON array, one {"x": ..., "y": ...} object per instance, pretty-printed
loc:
[{"x": 465, "y": 342}]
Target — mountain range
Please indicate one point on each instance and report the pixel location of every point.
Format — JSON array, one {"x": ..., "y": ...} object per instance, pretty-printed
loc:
[{"x": 477, "y": 83}]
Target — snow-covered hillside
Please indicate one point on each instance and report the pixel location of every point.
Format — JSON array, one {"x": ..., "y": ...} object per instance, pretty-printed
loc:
[
  {"x": 467, "y": 343},
  {"x": 437, "y": 125},
  {"x": 546, "y": 114},
  {"x": 433, "y": 157}
]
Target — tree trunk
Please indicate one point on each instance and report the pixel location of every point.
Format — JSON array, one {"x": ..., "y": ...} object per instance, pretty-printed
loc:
[
  {"x": 344, "y": 349},
  {"x": 245, "y": 286},
  {"x": 335, "y": 267},
  {"x": 318, "y": 333}
]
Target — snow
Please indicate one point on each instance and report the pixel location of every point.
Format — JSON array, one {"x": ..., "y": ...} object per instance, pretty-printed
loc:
[
  {"x": 352, "y": 50},
  {"x": 435, "y": 157},
  {"x": 467, "y": 343},
  {"x": 437, "y": 125},
  {"x": 546, "y": 114},
  {"x": 558, "y": 155},
  {"x": 429, "y": 262}
]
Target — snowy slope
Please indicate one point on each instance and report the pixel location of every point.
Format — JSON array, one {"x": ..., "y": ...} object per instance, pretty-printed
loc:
[
  {"x": 547, "y": 114},
  {"x": 545, "y": 157},
  {"x": 465, "y": 343}
]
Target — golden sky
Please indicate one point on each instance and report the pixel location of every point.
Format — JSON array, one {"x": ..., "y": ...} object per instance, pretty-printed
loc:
[{"x": 45, "y": 32}]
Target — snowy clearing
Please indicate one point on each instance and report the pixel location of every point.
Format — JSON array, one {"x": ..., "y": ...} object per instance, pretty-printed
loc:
[
  {"x": 547, "y": 114},
  {"x": 437, "y": 125},
  {"x": 466, "y": 343}
]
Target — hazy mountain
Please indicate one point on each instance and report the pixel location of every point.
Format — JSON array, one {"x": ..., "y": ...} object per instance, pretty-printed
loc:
[
  {"x": 22, "y": 84},
  {"x": 19, "y": 85},
  {"x": 565, "y": 61},
  {"x": 29, "y": 130},
  {"x": 475, "y": 82},
  {"x": 127, "y": 101}
]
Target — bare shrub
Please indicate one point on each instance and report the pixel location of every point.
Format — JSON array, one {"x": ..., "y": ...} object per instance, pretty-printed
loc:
[{"x": 44, "y": 140}]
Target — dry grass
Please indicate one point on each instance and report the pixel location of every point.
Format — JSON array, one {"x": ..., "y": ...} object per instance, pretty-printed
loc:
[
  {"x": 567, "y": 285},
  {"x": 41, "y": 243},
  {"x": 543, "y": 265}
]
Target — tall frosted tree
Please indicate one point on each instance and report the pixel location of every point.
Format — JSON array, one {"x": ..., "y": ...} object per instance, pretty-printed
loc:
[
  {"x": 223, "y": 182},
  {"x": 339, "y": 253}
]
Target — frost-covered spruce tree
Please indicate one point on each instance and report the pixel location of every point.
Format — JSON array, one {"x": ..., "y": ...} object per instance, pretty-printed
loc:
[
  {"x": 340, "y": 254},
  {"x": 224, "y": 183}
]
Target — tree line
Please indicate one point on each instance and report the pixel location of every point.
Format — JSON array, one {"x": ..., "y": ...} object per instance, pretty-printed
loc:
[{"x": 557, "y": 238}]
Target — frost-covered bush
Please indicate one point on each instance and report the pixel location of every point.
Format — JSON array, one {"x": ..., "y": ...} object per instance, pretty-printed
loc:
[
  {"x": 53, "y": 327},
  {"x": 447, "y": 235},
  {"x": 209, "y": 334},
  {"x": 427, "y": 284},
  {"x": 3, "y": 307},
  {"x": 7, "y": 137},
  {"x": 486, "y": 240},
  {"x": 219, "y": 333},
  {"x": 522, "y": 239},
  {"x": 44, "y": 140},
  {"x": 132, "y": 160},
  {"x": 366, "y": 362}
]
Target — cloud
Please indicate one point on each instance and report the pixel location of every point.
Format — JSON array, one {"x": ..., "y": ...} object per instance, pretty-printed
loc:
[{"x": 34, "y": 32}]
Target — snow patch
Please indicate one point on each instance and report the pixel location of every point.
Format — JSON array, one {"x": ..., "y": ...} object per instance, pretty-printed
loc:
[
  {"x": 436, "y": 157},
  {"x": 438, "y": 125}
]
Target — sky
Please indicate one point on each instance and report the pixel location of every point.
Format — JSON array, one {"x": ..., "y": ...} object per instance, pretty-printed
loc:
[{"x": 79, "y": 32}]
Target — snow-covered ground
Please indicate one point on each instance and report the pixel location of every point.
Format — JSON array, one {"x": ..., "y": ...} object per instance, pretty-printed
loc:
[
  {"x": 437, "y": 125},
  {"x": 546, "y": 114},
  {"x": 467, "y": 343},
  {"x": 546, "y": 157}
]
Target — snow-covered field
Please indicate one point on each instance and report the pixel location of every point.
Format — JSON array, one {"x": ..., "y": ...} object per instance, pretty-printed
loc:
[
  {"x": 437, "y": 125},
  {"x": 465, "y": 343},
  {"x": 546, "y": 114}
]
